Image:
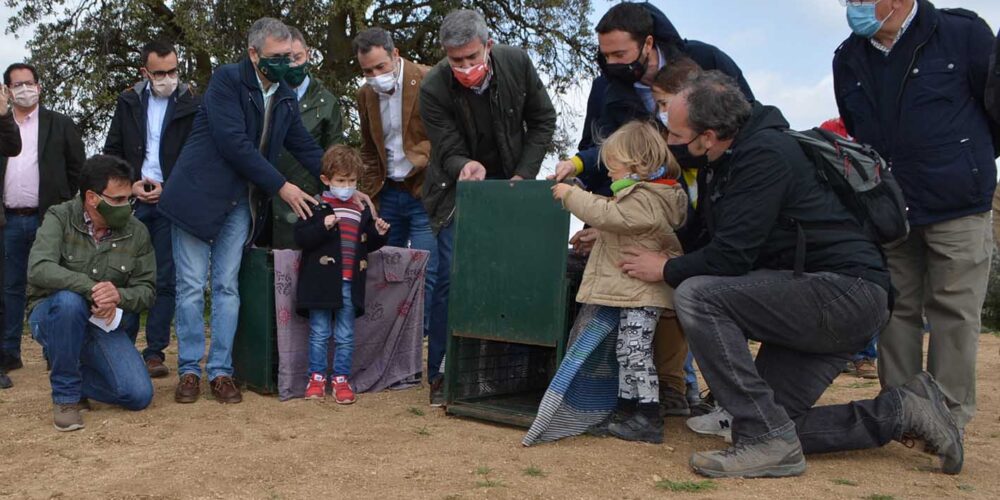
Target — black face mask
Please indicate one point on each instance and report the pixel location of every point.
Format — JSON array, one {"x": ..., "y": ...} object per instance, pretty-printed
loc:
[
  {"x": 684, "y": 157},
  {"x": 295, "y": 75},
  {"x": 625, "y": 73}
]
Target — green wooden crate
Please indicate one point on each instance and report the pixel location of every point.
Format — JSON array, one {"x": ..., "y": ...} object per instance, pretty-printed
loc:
[
  {"x": 509, "y": 302},
  {"x": 255, "y": 349}
]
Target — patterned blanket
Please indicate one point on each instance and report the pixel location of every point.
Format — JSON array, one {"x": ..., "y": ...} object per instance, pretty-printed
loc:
[{"x": 585, "y": 387}]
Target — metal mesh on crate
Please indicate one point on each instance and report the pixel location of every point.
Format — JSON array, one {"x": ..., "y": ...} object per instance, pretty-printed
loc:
[{"x": 492, "y": 368}]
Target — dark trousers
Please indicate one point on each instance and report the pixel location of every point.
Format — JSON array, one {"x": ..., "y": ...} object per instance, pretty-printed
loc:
[
  {"x": 18, "y": 236},
  {"x": 437, "y": 333},
  {"x": 808, "y": 327},
  {"x": 162, "y": 312}
]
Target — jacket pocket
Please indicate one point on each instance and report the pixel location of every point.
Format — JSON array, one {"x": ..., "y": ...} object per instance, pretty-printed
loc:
[
  {"x": 935, "y": 80},
  {"x": 120, "y": 265},
  {"x": 940, "y": 179},
  {"x": 847, "y": 330}
]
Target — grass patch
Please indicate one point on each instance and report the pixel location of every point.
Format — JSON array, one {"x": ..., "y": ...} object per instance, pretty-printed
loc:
[
  {"x": 483, "y": 470},
  {"x": 533, "y": 471},
  {"x": 686, "y": 486},
  {"x": 416, "y": 411},
  {"x": 489, "y": 483},
  {"x": 966, "y": 487},
  {"x": 844, "y": 482},
  {"x": 862, "y": 385},
  {"x": 879, "y": 496},
  {"x": 423, "y": 431}
]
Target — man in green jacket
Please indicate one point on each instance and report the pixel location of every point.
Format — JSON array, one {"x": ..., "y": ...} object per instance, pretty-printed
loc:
[
  {"x": 91, "y": 264},
  {"x": 322, "y": 117},
  {"x": 488, "y": 116}
]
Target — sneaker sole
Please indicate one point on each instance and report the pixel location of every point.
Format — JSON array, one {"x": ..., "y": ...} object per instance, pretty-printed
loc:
[
  {"x": 185, "y": 400},
  {"x": 339, "y": 402},
  {"x": 313, "y": 397},
  {"x": 790, "y": 470},
  {"x": 68, "y": 428}
]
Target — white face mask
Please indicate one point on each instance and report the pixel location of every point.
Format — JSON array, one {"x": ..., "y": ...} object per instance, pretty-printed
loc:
[
  {"x": 26, "y": 96},
  {"x": 165, "y": 86},
  {"x": 384, "y": 83}
]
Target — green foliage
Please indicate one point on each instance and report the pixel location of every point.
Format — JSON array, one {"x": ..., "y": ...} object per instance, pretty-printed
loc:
[
  {"x": 88, "y": 50},
  {"x": 844, "y": 482},
  {"x": 416, "y": 411},
  {"x": 687, "y": 486},
  {"x": 533, "y": 471}
]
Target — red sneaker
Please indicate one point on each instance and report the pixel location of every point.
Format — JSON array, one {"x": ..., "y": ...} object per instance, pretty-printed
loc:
[
  {"x": 342, "y": 392},
  {"x": 317, "y": 386}
]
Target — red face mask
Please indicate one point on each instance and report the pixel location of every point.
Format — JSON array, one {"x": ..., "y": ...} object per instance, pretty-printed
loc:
[{"x": 471, "y": 76}]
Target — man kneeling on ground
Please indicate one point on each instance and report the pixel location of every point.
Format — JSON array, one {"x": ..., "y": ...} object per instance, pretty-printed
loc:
[
  {"x": 812, "y": 300},
  {"x": 92, "y": 258}
]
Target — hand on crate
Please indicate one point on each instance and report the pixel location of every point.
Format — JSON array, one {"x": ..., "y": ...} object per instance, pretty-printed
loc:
[
  {"x": 559, "y": 190},
  {"x": 472, "y": 171}
]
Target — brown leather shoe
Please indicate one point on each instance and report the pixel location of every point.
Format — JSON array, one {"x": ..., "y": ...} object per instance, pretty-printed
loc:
[
  {"x": 225, "y": 391},
  {"x": 156, "y": 368},
  {"x": 188, "y": 389}
]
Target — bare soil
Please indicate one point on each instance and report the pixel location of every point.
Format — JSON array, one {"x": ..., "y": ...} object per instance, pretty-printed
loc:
[{"x": 392, "y": 445}]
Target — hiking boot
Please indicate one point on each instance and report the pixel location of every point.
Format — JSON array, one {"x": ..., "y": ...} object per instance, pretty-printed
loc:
[
  {"x": 342, "y": 392},
  {"x": 717, "y": 423},
  {"x": 779, "y": 456},
  {"x": 621, "y": 413},
  {"x": 437, "y": 390},
  {"x": 316, "y": 389},
  {"x": 156, "y": 368},
  {"x": 925, "y": 417},
  {"x": 673, "y": 403},
  {"x": 705, "y": 406},
  {"x": 645, "y": 425},
  {"x": 67, "y": 418},
  {"x": 188, "y": 389},
  {"x": 5, "y": 382},
  {"x": 865, "y": 368},
  {"x": 224, "y": 390}
]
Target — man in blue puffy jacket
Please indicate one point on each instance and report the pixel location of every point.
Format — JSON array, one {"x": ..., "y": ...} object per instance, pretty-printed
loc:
[{"x": 910, "y": 81}]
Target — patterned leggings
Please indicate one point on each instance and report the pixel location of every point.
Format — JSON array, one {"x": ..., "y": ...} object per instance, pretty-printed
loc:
[{"x": 636, "y": 371}]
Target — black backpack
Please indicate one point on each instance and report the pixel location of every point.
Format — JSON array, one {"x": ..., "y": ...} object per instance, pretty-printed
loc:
[{"x": 862, "y": 181}]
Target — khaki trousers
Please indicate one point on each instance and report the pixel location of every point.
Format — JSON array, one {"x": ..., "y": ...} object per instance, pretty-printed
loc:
[{"x": 670, "y": 349}]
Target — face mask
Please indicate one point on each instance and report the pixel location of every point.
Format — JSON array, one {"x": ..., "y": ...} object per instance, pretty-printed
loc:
[
  {"x": 625, "y": 73},
  {"x": 684, "y": 157},
  {"x": 863, "y": 21},
  {"x": 116, "y": 217},
  {"x": 273, "y": 68},
  {"x": 341, "y": 193},
  {"x": 662, "y": 115},
  {"x": 384, "y": 83},
  {"x": 165, "y": 86},
  {"x": 472, "y": 76},
  {"x": 297, "y": 74},
  {"x": 26, "y": 96}
]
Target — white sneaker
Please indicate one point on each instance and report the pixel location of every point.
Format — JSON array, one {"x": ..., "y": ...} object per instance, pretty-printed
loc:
[{"x": 717, "y": 423}]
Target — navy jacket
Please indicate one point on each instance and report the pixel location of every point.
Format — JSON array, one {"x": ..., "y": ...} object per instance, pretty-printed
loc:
[
  {"x": 127, "y": 136},
  {"x": 612, "y": 104},
  {"x": 926, "y": 117},
  {"x": 222, "y": 157}
]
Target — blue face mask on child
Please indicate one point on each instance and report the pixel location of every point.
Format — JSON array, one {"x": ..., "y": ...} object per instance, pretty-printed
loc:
[
  {"x": 863, "y": 20},
  {"x": 341, "y": 193}
]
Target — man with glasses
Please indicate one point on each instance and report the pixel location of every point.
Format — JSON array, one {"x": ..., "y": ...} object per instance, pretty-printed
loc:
[
  {"x": 910, "y": 81},
  {"x": 45, "y": 173},
  {"x": 91, "y": 270},
  {"x": 247, "y": 117},
  {"x": 151, "y": 123}
]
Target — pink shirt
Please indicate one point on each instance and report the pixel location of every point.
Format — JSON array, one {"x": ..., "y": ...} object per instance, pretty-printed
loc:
[{"x": 20, "y": 183}]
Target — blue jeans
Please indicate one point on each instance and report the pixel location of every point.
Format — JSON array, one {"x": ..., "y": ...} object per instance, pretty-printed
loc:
[
  {"x": 18, "y": 236},
  {"x": 690, "y": 377},
  {"x": 808, "y": 327},
  {"x": 870, "y": 352},
  {"x": 87, "y": 361},
  {"x": 320, "y": 321},
  {"x": 437, "y": 336},
  {"x": 162, "y": 312},
  {"x": 411, "y": 224},
  {"x": 193, "y": 259}
]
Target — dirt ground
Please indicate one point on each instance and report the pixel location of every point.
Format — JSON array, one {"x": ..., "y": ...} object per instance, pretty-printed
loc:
[{"x": 392, "y": 445}]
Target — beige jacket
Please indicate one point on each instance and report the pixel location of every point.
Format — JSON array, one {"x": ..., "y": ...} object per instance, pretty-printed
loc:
[{"x": 643, "y": 215}]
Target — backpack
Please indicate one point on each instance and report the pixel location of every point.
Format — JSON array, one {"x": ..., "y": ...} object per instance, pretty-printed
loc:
[{"x": 861, "y": 180}]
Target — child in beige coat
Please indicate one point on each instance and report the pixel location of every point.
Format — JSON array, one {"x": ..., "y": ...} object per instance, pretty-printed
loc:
[{"x": 648, "y": 205}]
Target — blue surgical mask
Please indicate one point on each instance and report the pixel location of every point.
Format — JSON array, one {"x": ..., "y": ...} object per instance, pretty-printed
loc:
[
  {"x": 662, "y": 115},
  {"x": 863, "y": 20},
  {"x": 341, "y": 193}
]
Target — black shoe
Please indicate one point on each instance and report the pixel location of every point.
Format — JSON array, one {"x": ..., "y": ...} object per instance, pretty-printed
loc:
[
  {"x": 706, "y": 406},
  {"x": 11, "y": 363},
  {"x": 437, "y": 391},
  {"x": 925, "y": 416},
  {"x": 619, "y": 415},
  {"x": 646, "y": 425},
  {"x": 5, "y": 382}
]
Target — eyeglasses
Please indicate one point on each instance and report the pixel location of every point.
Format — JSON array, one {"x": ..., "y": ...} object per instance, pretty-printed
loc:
[
  {"x": 159, "y": 75},
  {"x": 17, "y": 85},
  {"x": 858, "y": 3},
  {"x": 118, "y": 201}
]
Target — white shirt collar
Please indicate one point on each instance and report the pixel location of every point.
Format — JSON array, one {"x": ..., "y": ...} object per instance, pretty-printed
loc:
[{"x": 902, "y": 29}]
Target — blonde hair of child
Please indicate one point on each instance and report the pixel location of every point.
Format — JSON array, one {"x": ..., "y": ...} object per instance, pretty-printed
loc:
[{"x": 639, "y": 147}]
